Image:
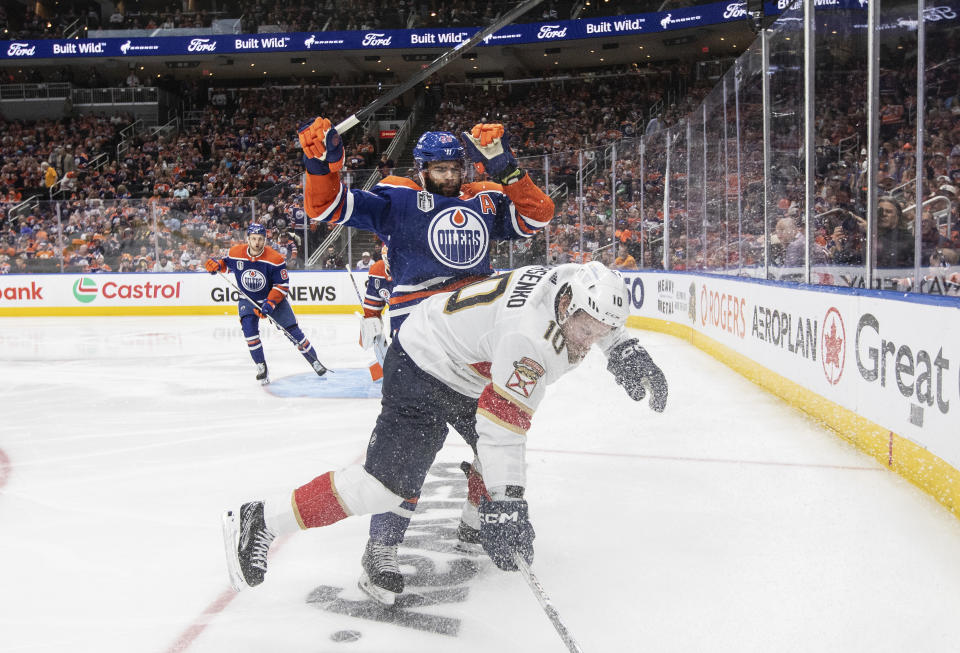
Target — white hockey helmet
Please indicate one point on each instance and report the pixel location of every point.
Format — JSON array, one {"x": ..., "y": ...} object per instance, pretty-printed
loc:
[{"x": 599, "y": 292}]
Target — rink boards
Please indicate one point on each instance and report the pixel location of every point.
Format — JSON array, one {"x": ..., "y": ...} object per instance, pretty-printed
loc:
[
  {"x": 880, "y": 368},
  {"x": 174, "y": 293}
]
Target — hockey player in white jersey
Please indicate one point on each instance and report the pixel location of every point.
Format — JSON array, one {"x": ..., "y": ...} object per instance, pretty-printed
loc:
[{"x": 488, "y": 350}]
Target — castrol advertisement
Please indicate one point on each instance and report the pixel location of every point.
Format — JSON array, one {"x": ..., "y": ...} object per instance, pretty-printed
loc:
[{"x": 159, "y": 293}]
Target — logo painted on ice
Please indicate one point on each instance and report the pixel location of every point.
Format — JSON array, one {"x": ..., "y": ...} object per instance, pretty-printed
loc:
[
  {"x": 735, "y": 10},
  {"x": 552, "y": 32},
  {"x": 253, "y": 280},
  {"x": 202, "y": 45},
  {"x": 833, "y": 345},
  {"x": 85, "y": 290},
  {"x": 458, "y": 237},
  {"x": 375, "y": 39},
  {"x": 21, "y": 50}
]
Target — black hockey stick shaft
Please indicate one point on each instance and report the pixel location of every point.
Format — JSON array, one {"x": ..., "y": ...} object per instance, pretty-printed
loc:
[
  {"x": 546, "y": 604},
  {"x": 437, "y": 64},
  {"x": 266, "y": 315}
]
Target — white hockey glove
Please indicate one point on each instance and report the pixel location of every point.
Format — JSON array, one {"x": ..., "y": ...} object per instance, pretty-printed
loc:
[{"x": 370, "y": 329}]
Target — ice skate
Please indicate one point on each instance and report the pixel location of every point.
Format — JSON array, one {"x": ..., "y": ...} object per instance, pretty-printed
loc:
[
  {"x": 319, "y": 368},
  {"x": 247, "y": 542},
  {"x": 262, "y": 374},
  {"x": 381, "y": 579},
  {"x": 468, "y": 540}
]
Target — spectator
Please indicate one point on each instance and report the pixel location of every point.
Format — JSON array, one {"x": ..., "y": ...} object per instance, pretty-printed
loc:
[
  {"x": 894, "y": 241},
  {"x": 624, "y": 260},
  {"x": 791, "y": 240},
  {"x": 164, "y": 265},
  {"x": 365, "y": 261},
  {"x": 49, "y": 176},
  {"x": 332, "y": 260}
]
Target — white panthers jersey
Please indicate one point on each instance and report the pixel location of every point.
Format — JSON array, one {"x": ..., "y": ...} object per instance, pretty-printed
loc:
[{"x": 497, "y": 340}]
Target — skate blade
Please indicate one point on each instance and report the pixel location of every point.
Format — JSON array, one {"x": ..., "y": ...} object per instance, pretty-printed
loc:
[
  {"x": 468, "y": 548},
  {"x": 378, "y": 594},
  {"x": 231, "y": 540},
  {"x": 265, "y": 381}
]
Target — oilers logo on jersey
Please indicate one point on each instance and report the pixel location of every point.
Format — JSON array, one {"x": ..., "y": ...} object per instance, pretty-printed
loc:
[
  {"x": 458, "y": 237},
  {"x": 253, "y": 280}
]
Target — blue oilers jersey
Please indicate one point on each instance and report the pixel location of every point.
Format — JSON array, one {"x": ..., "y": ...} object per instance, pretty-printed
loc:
[
  {"x": 436, "y": 243},
  {"x": 259, "y": 276}
]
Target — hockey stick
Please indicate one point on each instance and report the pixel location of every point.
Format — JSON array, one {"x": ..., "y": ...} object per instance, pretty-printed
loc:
[
  {"x": 437, "y": 64},
  {"x": 269, "y": 317},
  {"x": 546, "y": 604},
  {"x": 379, "y": 343}
]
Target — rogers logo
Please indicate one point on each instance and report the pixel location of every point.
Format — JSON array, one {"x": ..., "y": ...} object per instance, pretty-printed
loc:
[
  {"x": 723, "y": 311},
  {"x": 833, "y": 345},
  {"x": 21, "y": 50},
  {"x": 376, "y": 39},
  {"x": 735, "y": 10},
  {"x": 202, "y": 45},
  {"x": 552, "y": 32}
]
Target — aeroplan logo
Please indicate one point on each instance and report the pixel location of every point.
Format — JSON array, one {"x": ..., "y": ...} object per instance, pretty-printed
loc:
[{"x": 85, "y": 290}]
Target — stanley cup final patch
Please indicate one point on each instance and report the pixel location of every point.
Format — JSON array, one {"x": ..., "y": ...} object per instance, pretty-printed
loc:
[
  {"x": 526, "y": 373},
  {"x": 425, "y": 201}
]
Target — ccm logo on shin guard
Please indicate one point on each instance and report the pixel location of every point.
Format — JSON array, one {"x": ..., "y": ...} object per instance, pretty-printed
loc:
[{"x": 500, "y": 517}]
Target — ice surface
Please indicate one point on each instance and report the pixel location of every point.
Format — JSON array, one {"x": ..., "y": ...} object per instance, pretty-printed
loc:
[{"x": 728, "y": 523}]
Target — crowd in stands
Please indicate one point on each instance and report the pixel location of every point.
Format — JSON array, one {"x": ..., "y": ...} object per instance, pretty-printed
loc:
[
  {"x": 243, "y": 147},
  {"x": 169, "y": 196}
]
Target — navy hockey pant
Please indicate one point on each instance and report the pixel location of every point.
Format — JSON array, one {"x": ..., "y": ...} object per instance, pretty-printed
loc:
[
  {"x": 283, "y": 315},
  {"x": 412, "y": 425}
]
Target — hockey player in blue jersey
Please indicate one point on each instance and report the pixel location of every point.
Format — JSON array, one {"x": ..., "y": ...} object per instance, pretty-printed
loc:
[
  {"x": 262, "y": 274},
  {"x": 439, "y": 232}
]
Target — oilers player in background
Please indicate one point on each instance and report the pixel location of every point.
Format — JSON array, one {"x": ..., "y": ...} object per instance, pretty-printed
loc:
[
  {"x": 376, "y": 294},
  {"x": 488, "y": 350},
  {"x": 262, "y": 274},
  {"x": 439, "y": 232}
]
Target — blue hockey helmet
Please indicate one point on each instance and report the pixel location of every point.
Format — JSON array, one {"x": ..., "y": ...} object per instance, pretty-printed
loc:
[
  {"x": 437, "y": 146},
  {"x": 256, "y": 228}
]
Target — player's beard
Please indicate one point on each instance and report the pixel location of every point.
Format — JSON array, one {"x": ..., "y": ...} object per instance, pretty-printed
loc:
[
  {"x": 576, "y": 353},
  {"x": 447, "y": 189}
]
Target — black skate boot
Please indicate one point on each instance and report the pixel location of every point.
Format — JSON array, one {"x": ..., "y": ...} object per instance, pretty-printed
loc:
[
  {"x": 468, "y": 539},
  {"x": 247, "y": 543},
  {"x": 262, "y": 374},
  {"x": 381, "y": 579},
  {"x": 319, "y": 368}
]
